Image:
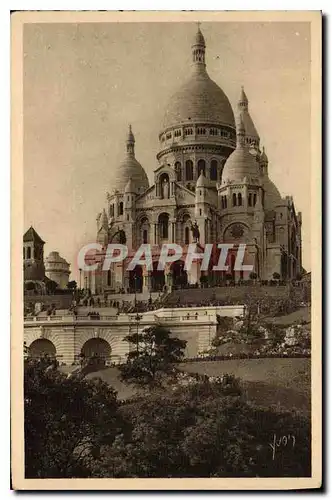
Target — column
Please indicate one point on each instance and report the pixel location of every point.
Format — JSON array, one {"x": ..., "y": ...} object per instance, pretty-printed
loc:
[{"x": 155, "y": 239}]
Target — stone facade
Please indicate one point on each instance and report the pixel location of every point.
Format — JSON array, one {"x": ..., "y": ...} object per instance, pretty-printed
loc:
[
  {"x": 211, "y": 171},
  {"x": 66, "y": 336}
]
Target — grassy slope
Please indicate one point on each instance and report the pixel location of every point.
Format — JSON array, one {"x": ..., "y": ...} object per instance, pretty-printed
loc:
[
  {"x": 303, "y": 314},
  {"x": 281, "y": 382}
]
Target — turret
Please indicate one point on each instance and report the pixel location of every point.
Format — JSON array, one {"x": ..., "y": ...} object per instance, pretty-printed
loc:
[
  {"x": 102, "y": 236},
  {"x": 202, "y": 206},
  {"x": 129, "y": 199},
  {"x": 264, "y": 162},
  {"x": 251, "y": 134}
]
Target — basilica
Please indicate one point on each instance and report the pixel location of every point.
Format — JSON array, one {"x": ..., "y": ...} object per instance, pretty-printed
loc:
[{"x": 211, "y": 185}]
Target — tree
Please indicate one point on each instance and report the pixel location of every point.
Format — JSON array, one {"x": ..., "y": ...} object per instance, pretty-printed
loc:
[
  {"x": 30, "y": 285},
  {"x": 206, "y": 430},
  {"x": 276, "y": 276},
  {"x": 67, "y": 419},
  {"x": 153, "y": 356},
  {"x": 72, "y": 285},
  {"x": 51, "y": 286},
  {"x": 253, "y": 276}
]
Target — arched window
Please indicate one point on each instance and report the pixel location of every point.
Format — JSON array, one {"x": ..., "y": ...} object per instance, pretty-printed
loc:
[
  {"x": 234, "y": 200},
  {"x": 28, "y": 253},
  {"x": 200, "y": 167},
  {"x": 214, "y": 170},
  {"x": 250, "y": 199},
  {"x": 109, "y": 278},
  {"x": 239, "y": 199},
  {"x": 178, "y": 171},
  {"x": 189, "y": 170},
  {"x": 186, "y": 235},
  {"x": 145, "y": 236},
  {"x": 225, "y": 201},
  {"x": 163, "y": 225},
  {"x": 121, "y": 208},
  {"x": 255, "y": 199},
  {"x": 112, "y": 210}
]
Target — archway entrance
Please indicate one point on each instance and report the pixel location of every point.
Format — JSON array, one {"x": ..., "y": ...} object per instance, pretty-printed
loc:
[
  {"x": 42, "y": 347},
  {"x": 157, "y": 278},
  {"x": 179, "y": 274},
  {"x": 96, "y": 348},
  {"x": 136, "y": 280}
]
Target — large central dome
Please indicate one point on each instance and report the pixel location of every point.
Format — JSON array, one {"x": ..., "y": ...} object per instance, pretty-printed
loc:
[{"x": 200, "y": 99}]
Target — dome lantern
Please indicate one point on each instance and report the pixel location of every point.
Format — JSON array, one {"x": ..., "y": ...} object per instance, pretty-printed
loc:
[
  {"x": 130, "y": 142},
  {"x": 198, "y": 50}
]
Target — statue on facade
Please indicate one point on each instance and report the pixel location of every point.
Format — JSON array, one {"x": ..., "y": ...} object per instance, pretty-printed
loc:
[
  {"x": 195, "y": 232},
  {"x": 165, "y": 189},
  {"x": 122, "y": 237}
]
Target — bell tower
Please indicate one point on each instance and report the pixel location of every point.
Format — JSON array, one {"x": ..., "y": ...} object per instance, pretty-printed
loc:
[{"x": 33, "y": 256}]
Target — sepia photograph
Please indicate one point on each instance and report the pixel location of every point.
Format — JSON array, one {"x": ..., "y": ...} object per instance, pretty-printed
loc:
[{"x": 166, "y": 287}]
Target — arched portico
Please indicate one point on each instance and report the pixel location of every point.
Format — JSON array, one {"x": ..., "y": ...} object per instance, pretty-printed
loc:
[
  {"x": 96, "y": 347},
  {"x": 42, "y": 347}
]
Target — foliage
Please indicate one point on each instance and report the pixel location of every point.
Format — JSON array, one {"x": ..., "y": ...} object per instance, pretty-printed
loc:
[
  {"x": 51, "y": 286},
  {"x": 153, "y": 356},
  {"x": 72, "y": 285},
  {"x": 205, "y": 430},
  {"x": 200, "y": 427},
  {"x": 253, "y": 276},
  {"x": 276, "y": 276},
  {"x": 30, "y": 285},
  {"x": 67, "y": 419}
]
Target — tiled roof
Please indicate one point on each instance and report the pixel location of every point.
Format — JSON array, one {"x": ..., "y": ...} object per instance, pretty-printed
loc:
[{"x": 32, "y": 235}]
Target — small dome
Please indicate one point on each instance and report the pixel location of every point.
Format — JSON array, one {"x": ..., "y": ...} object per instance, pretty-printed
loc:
[
  {"x": 241, "y": 163},
  {"x": 55, "y": 257},
  {"x": 201, "y": 181},
  {"x": 130, "y": 168}
]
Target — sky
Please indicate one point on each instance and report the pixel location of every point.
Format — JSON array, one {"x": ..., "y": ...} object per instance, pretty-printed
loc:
[{"x": 85, "y": 82}]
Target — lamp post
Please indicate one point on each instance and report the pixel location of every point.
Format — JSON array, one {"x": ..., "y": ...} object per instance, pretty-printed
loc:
[
  {"x": 138, "y": 318},
  {"x": 135, "y": 292}
]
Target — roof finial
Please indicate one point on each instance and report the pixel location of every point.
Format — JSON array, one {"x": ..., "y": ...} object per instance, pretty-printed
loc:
[
  {"x": 130, "y": 141},
  {"x": 243, "y": 101}
]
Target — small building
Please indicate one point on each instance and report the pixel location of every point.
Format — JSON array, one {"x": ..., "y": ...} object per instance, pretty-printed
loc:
[{"x": 57, "y": 269}]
